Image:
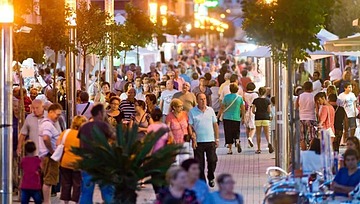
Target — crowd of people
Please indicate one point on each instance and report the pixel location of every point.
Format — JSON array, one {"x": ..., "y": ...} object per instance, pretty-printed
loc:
[
  {"x": 187, "y": 95},
  {"x": 330, "y": 106},
  {"x": 190, "y": 97}
]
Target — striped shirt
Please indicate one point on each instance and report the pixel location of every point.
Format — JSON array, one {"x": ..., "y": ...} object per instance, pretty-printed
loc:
[{"x": 128, "y": 108}]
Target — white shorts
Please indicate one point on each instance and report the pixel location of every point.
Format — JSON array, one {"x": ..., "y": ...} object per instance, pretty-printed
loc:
[{"x": 249, "y": 119}]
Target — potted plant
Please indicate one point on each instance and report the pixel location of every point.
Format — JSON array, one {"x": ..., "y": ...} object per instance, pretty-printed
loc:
[{"x": 123, "y": 163}]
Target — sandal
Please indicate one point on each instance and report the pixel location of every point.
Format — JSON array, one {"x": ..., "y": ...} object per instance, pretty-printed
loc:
[
  {"x": 258, "y": 152},
  {"x": 230, "y": 152}
]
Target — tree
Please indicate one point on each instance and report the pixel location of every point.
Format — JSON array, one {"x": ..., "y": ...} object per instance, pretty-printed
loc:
[
  {"x": 126, "y": 161},
  {"x": 53, "y": 29},
  {"x": 121, "y": 38},
  {"x": 289, "y": 28},
  {"x": 21, "y": 8},
  {"x": 173, "y": 26},
  {"x": 91, "y": 25},
  {"x": 137, "y": 31},
  {"x": 25, "y": 44},
  {"x": 340, "y": 22}
]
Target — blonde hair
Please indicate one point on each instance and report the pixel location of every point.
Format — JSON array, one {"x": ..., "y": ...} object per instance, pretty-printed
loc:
[
  {"x": 78, "y": 121},
  {"x": 173, "y": 173},
  {"x": 175, "y": 102}
]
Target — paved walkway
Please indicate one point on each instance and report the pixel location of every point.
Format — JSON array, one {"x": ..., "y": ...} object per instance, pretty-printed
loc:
[{"x": 247, "y": 168}]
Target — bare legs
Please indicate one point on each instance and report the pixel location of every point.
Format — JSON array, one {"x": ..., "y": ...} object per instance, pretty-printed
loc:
[
  {"x": 258, "y": 136},
  {"x": 47, "y": 194}
]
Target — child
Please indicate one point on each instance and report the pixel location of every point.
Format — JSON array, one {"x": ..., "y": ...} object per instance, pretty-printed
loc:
[{"x": 30, "y": 184}]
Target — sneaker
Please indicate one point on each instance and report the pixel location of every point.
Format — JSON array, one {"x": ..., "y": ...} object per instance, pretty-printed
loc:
[
  {"x": 238, "y": 146},
  {"x": 212, "y": 183},
  {"x": 271, "y": 149},
  {"x": 250, "y": 142},
  {"x": 258, "y": 152}
]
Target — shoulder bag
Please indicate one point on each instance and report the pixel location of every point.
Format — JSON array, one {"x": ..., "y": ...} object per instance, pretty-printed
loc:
[
  {"x": 85, "y": 109},
  {"x": 59, "y": 151},
  {"x": 227, "y": 108}
]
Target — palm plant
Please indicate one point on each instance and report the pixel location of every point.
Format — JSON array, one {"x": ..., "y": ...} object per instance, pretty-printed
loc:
[{"x": 125, "y": 161}]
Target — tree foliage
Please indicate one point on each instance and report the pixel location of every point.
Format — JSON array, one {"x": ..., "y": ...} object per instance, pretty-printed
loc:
[
  {"x": 284, "y": 24},
  {"x": 26, "y": 44},
  {"x": 340, "y": 22},
  {"x": 21, "y": 8},
  {"x": 91, "y": 32},
  {"x": 173, "y": 26},
  {"x": 53, "y": 29},
  {"x": 138, "y": 24}
]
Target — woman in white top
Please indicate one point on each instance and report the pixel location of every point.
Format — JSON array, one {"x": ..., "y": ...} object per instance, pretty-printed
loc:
[
  {"x": 249, "y": 118},
  {"x": 310, "y": 159},
  {"x": 127, "y": 87}
]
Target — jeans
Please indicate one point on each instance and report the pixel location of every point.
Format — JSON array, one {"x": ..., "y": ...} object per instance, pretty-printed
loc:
[
  {"x": 209, "y": 149},
  {"x": 27, "y": 194},
  {"x": 87, "y": 190}
]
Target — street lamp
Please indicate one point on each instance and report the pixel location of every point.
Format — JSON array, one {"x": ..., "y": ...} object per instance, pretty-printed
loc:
[
  {"x": 153, "y": 12},
  {"x": 6, "y": 137},
  {"x": 71, "y": 65}
]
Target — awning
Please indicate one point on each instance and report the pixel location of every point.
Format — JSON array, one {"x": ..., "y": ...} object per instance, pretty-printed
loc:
[
  {"x": 343, "y": 45},
  {"x": 259, "y": 52},
  {"x": 325, "y": 35},
  {"x": 319, "y": 54}
]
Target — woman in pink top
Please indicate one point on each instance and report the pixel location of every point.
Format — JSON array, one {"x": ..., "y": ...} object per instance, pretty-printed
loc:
[
  {"x": 326, "y": 114},
  {"x": 177, "y": 121},
  {"x": 156, "y": 115}
]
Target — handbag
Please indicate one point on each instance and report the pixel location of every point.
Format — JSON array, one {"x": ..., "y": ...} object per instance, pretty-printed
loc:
[
  {"x": 59, "y": 151},
  {"x": 329, "y": 130},
  {"x": 227, "y": 108}
]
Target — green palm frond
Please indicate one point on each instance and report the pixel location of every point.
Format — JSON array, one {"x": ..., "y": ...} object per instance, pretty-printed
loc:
[{"x": 126, "y": 161}]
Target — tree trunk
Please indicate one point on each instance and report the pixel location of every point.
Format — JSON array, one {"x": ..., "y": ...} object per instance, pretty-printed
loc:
[
  {"x": 54, "y": 80},
  {"x": 124, "y": 195},
  {"x": 83, "y": 74}
]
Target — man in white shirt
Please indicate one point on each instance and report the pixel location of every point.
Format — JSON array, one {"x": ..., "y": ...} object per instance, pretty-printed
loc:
[
  {"x": 166, "y": 97},
  {"x": 226, "y": 88},
  {"x": 226, "y": 83},
  {"x": 336, "y": 73},
  {"x": 348, "y": 101},
  {"x": 317, "y": 85},
  {"x": 48, "y": 135}
]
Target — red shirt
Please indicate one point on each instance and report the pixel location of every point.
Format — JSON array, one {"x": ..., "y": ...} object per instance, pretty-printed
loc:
[
  {"x": 244, "y": 81},
  {"x": 31, "y": 173}
]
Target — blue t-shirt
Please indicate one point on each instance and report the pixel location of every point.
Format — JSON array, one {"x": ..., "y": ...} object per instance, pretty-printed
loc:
[
  {"x": 233, "y": 112},
  {"x": 201, "y": 190},
  {"x": 343, "y": 178},
  {"x": 215, "y": 198},
  {"x": 202, "y": 123}
]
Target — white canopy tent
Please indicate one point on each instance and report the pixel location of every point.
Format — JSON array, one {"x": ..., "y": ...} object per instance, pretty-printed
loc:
[
  {"x": 259, "y": 52},
  {"x": 325, "y": 35}
]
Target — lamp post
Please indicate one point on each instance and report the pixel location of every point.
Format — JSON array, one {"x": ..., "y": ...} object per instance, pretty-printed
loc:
[
  {"x": 109, "y": 72},
  {"x": 6, "y": 20},
  {"x": 71, "y": 66}
]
